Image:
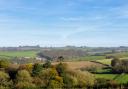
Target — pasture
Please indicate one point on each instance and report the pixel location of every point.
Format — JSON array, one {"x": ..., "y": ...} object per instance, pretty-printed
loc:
[
  {"x": 7, "y": 54},
  {"x": 105, "y": 61}
]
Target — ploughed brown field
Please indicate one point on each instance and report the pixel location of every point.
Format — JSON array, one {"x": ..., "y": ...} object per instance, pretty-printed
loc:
[{"x": 80, "y": 64}]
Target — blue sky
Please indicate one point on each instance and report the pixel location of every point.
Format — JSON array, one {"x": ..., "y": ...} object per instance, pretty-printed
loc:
[{"x": 64, "y": 22}]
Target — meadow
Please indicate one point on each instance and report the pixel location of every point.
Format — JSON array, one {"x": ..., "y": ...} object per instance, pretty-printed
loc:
[{"x": 8, "y": 54}]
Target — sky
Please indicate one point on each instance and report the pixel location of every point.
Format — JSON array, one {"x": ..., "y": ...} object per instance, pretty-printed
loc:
[{"x": 94, "y": 23}]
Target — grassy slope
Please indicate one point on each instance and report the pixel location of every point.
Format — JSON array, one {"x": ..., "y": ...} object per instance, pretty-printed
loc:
[
  {"x": 18, "y": 53},
  {"x": 105, "y": 61},
  {"x": 87, "y": 58},
  {"x": 106, "y": 76},
  {"x": 121, "y": 78},
  {"x": 120, "y": 55}
]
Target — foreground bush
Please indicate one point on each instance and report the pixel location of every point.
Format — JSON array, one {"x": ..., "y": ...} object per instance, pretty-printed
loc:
[
  {"x": 5, "y": 82},
  {"x": 24, "y": 80},
  {"x": 51, "y": 78},
  {"x": 4, "y": 63}
]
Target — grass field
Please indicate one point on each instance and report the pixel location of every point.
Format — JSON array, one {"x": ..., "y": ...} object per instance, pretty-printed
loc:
[
  {"x": 120, "y": 78},
  {"x": 87, "y": 58},
  {"x": 119, "y": 55},
  {"x": 105, "y": 61},
  {"x": 8, "y": 54},
  {"x": 106, "y": 76},
  {"x": 80, "y": 64}
]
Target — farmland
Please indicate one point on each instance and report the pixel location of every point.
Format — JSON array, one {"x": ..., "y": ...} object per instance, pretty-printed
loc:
[
  {"x": 95, "y": 66},
  {"x": 8, "y": 54}
]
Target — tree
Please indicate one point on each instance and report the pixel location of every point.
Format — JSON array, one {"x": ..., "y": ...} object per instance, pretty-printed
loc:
[
  {"x": 115, "y": 62},
  {"x": 119, "y": 66}
]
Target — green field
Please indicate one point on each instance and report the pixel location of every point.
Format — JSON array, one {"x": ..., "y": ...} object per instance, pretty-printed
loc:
[
  {"x": 7, "y": 54},
  {"x": 120, "y": 78},
  {"x": 106, "y": 76},
  {"x": 87, "y": 58},
  {"x": 105, "y": 61},
  {"x": 119, "y": 55}
]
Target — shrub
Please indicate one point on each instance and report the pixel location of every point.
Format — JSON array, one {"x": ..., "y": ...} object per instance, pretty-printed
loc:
[
  {"x": 5, "y": 82},
  {"x": 54, "y": 84},
  {"x": 83, "y": 79},
  {"x": 4, "y": 63},
  {"x": 36, "y": 69},
  {"x": 24, "y": 75},
  {"x": 27, "y": 67},
  {"x": 61, "y": 69},
  {"x": 38, "y": 82},
  {"x": 51, "y": 78},
  {"x": 70, "y": 81},
  {"x": 105, "y": 83},
  {"x": 25, "y": 85},
  {"x": 24, "y": 80},
  {"x": 47, "y": 64}
]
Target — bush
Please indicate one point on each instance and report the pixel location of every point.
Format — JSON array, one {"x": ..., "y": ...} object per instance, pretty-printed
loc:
[
  {"x": 61, "y": 69},
  {"x": 4, "y": 63},
  {"x": 53, "y": 84},
  {"x": 24, "y": 80},
  {"x": 38, "y": 82},
  {"x": 25, "y": 85},
  {"x": 47, "y": 64},
  {"x": 69, "y": 81},
  {"x": 24, "y": 75},
  {"x": 12, "y": 71},
  {"x": 36, "y": 69},
  {"x": 5, "y": 82},
  {"x": 105, "y": 83},
  {"x": 51, "y": 78},
  {"x": 27, "y": 67}
]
